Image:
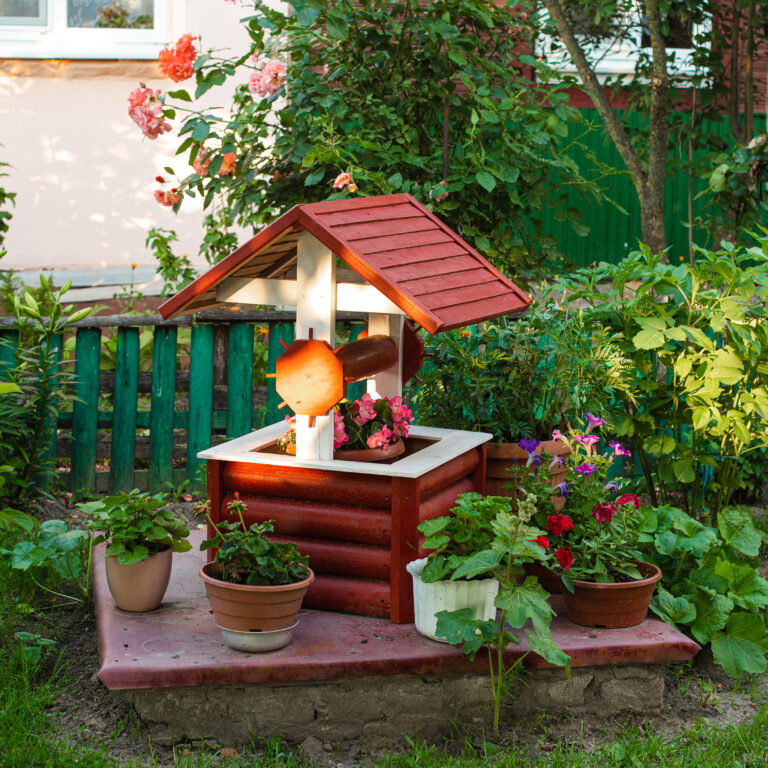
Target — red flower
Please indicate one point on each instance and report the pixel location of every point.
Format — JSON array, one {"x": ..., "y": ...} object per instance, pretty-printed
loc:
[
  {"x": 542, "y": 541},
  {"x": 604, "y": 512},
  {"x": 559, "y": 524},
  {"x": 565, "y": 558},
  {"x": 628, "y": 498}
]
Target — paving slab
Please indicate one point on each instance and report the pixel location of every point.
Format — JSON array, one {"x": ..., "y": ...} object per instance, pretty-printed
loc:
[{"x": 180, "y": 645}]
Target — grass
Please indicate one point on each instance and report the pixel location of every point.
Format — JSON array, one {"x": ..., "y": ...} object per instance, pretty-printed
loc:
[{"x": 29, "y": 736}]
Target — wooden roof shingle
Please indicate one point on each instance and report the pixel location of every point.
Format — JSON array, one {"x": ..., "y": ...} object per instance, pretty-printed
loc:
[{"x": 393, "y": 242}]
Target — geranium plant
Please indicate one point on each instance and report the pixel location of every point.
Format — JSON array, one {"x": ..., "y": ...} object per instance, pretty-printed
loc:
[
  {"x": 245, "y": 554},
  {"x": 595, "y": 535},
  {"x": 369, "y": 423}
]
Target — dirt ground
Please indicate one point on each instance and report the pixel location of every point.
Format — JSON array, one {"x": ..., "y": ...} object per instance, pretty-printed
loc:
[{"x": 87, "y": 713}]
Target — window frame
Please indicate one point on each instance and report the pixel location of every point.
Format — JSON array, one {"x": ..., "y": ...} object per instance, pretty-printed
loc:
[
  {"x": 616, "y": 59},
  {"x": 55, "y": 40}
]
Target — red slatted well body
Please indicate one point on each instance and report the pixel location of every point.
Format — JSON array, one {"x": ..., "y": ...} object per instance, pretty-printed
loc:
[
  {"x": 392, "y": 241},
  {"x": 359, "y": 531}
]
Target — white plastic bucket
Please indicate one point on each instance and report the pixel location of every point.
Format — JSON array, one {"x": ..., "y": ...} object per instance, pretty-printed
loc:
[{"x": 430, "y": 599}]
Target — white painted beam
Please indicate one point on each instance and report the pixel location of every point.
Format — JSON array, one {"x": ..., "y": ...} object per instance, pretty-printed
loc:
[{"x": 388, "y": 383}]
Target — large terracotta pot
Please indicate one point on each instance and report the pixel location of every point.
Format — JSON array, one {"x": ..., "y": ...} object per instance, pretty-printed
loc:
[
  {"x": 502, "y": 456},
  {"x": 139, "y": 587},
  {"x": 253, "y": 608},
  {"x": 619, "y": 604}
]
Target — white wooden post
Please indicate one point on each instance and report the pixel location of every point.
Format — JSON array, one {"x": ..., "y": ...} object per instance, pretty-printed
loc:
[
  {"x": 315, "y": 309},
  {"x": 388, "y": 383}
]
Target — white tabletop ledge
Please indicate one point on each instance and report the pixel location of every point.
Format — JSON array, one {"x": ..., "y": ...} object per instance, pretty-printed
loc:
[{"x": 449, "y": 443}]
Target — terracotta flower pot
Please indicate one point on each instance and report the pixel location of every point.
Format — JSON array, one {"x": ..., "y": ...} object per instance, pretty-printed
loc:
[
  {"x": 253, "y": 608},
  {"x": 370, "y": 454},
  {"x": 619, "y": 604},
  {"x": 502, "y": 456},
  {"x": 139, "y": 587}
]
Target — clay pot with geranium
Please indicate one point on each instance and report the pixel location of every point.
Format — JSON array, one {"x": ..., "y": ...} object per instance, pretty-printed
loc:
[
  {"x": 521, "y": 379},
  {"x": 592, "y": 543}
]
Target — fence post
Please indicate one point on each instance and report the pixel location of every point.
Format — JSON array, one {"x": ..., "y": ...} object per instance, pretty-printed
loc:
[
  {"x": 240, "y": 380},
  {"x": 9, "y": 344},
  {"x": 123, "y": 445},
  {"x": 200, "y": 425},
  {"x": 48, "y": 449},
  {"x": 162, "y": 413},
  {"x": 277, "y": 332},
  {"x": 85, "y": 409}
]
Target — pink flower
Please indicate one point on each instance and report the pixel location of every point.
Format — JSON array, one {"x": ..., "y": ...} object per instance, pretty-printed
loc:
[
  {"x": 364, "y": 410},
  {"x": 202, "y": 161},
  {"x": 380, "y": 439},
  {"x": 588, "y": 441},
  {"x": 176, "y": 62},
  {"x": 586, "y": 469},
  {"x": 342, "y": 180},
  {"x": 557, "y": 434},
  {"x": 168, "y": 199},
  {"x": 340, "y": 435},
  {"x": 594, "y": 421},
  {"x": 619, "y": 449},
  {"x": 268, "y": 77},
  {"x": 604, "y": 512},
  {"x": 146, "y": 110}
]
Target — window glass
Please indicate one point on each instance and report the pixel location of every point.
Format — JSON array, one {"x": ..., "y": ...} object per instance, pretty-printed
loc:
[
  {"x": 22, "y": 11},
  {"x": 118, "y": 14}
]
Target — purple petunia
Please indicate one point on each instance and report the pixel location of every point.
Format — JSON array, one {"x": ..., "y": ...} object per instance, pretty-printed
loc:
[
  {"x": 586, "y": 469},
  {"x": 557, "y": 434},
  {"x": 557, "y": 461},
  {"x": 594, "y": 421},
  {"x": 563, "y": 488},
  {"x": 534, "y": 460},
  {"x": 529, "y": 444},
  {"x": 611, "y": 487},
  {"x": 619, "y": 449},
  {"x": 587, "y": 440}
]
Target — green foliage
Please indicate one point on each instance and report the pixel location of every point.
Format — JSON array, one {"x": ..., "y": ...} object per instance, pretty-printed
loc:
[
  {"x": 430, "y": 99},
  {"x": 710, "y": 584},
  {"x": 524, "y": 377},
  {"x": 136, "y": 525},
  {"x": 30, "y": 408},
  {"x": 53, "y": 552},
  {"x": 486, "y": 538},
  {"x": 176, "y": 271},
  {"x": 697, "y": 337},
  {"x": 247, "y": 556},
  {"x": 7, "y": 200}
]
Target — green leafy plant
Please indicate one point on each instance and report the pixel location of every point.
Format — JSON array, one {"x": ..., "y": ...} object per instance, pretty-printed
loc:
[
  {"x": 136, "y": 525},
  {"x": 29, "y": 409},
  {"x": 486, "y": 538},
  {"x": 7, "y": 200},
  {"x": 54, "y": 549},
  {"x": 698, "y": 339},
  {"x": 176, "y": 271},
  {"x": 523, "y": 377},
  {"x": 711, "y": 585},
  {"x": 246, "y": 556}
]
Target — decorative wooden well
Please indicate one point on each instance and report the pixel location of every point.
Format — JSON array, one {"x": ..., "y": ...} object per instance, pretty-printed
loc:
[{"x": 355, "y": 520}]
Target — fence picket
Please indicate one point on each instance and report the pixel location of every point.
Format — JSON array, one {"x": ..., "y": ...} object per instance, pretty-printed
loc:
[
  {"x": 278, "y": 332},
  {"x": 9, "y": 343},
  {"x": 123, "y": 443},
  {"x": 162, "y": 408},
  {"x": 85, "y": 409},
  {"x": 240, "y": 380},
  {"x": 48, "y": 453},
  {"x": 200, "y": 425}
]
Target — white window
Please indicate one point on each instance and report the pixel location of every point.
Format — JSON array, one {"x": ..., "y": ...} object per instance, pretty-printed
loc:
[
  {"x": 615, "y": 46},
  {"x": 88, "y": 29}
]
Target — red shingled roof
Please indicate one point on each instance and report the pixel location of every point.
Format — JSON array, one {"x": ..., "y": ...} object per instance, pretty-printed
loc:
[{"x": 393, "y": 242}]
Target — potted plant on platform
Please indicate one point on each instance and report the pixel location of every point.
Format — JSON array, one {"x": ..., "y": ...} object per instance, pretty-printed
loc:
[
  {"x": 255, "y": 586},
  {"x": 488, "y": 541},
  {"x": 142, "y": 533},
  {"x": 593, "y": 542},
  {"x": 521, "y": 379}
]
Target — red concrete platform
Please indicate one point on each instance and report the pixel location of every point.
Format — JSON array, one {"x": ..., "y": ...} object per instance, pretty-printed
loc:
[{"x": 180, "y": 645}]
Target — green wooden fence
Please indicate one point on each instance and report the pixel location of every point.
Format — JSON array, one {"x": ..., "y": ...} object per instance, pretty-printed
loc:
[
  {"x": 613, "y": 234},
  {"x": 131, "y": 428}
]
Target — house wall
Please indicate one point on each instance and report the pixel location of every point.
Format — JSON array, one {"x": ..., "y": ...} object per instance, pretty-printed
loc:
[{"x": 82, "y": 171}]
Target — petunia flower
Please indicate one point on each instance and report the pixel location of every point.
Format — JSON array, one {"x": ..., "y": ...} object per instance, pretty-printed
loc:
[
  {"x": 628, "y": 498},
  {"x": 558, "y": 524},
  {"x": 565, "y": 558},
  {"x": 604, "y": 512},
  {"x": 588, "y": 441},
  {"x": 557, "y": 435},
  {"x": 529, "y": 444},
  {"x": 557, "y": 461},
  {"x": 611, "y": 487},
  {"x": 619, "y": 449},
  {"x": 542, "y": 541},
  {"x": 594, "y": 421},
  {"x": 586, "y": 469},
  {"x": 563, "y": 488}
]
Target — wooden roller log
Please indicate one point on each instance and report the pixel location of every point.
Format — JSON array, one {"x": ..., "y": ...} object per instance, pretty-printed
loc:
[
  {"x": 338, "y": 558},
  {"x": 334, "y": 593},
  {"x": 443, "y": 476},
  {"x": 366, "y": 357},
  {"x": 317, "y": 520},
  {"x": 442, "y": 502}
]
